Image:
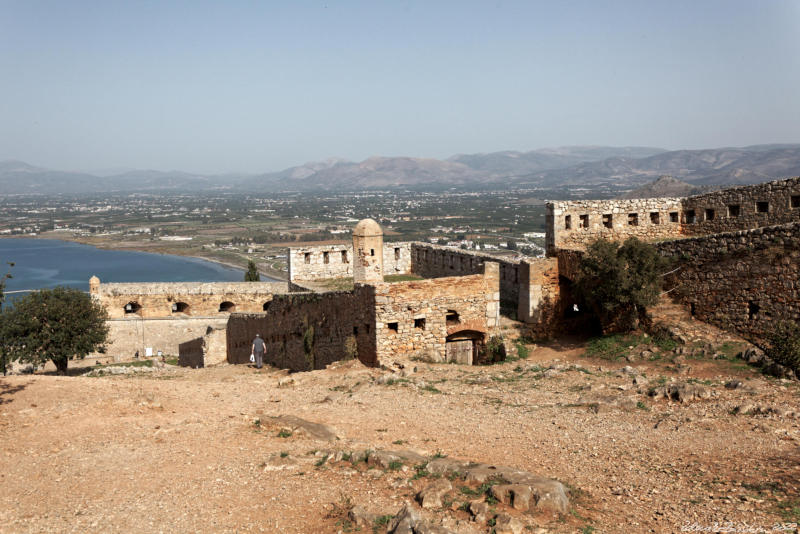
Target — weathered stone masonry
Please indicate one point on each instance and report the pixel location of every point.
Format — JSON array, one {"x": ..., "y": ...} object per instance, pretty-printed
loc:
[{"x": 336, "y": 261}]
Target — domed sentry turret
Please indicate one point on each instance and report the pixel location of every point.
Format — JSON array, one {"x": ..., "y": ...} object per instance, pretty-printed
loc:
[
  {"x": 368, "y": 252},
  {"x": 94, "y": 285}
]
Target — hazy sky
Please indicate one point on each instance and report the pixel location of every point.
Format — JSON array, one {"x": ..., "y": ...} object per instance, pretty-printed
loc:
[{"x": 258, "y": 85}]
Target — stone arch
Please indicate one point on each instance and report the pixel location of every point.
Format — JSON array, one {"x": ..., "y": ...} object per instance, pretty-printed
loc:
[
  {"x": 465, "y": 346},
  {"x": 266, "y": 306},
  {"x": 133, "y": 308},
  {"x": 227, "y": 307}
]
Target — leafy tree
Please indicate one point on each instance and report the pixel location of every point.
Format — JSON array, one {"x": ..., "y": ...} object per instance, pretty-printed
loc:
[
  {"x": 511, "y": 245},
  {"x": 619, "y": 282},
  {"x": 57, "y": 324},
  {"x": 252, "y": 272}
]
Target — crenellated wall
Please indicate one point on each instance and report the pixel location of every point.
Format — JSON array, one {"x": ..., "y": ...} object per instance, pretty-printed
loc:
[
  {"x": 306, "y": 331},
  {"x": 574, "y": 224},
  {"x": 184, "y": 299},
  {"x": 336, "y": 261}
]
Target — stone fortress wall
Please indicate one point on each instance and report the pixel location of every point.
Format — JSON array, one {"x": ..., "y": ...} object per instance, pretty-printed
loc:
[
  {"x": 427, "y": 317},
  {"x": 336, "y": 261},
  {"x": 307, "y": 331},
  {"x": 744, "y": 281},
  {"x": 574, "y": 224},
  {"x": 184, "y": 299}
]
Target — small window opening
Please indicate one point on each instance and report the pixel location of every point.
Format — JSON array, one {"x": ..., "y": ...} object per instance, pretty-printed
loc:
[
  {"x": 344, "y": 257},
  {"x": 691, "y": 309},
  {"x": 710, "y": 214},
  {"x": 752, "y": 310},
  {"x": 325, "y": 257},
  {"x": 392, "y": 327},
  {"x": 673, "y": 216},
  {"x": 227, "y": 307},
  {"x": 655, "y": 217},
  {"x": 367, "y": 327},
  {"x": 608, "y": 222},
  {"x": 132, "y": 308},
  {"x": 762, "y": 207},
  {"x": 355, "y": 330},
  {"x": 266, "y": 306},
  {"x": 307, "y": 257},
  {"x": 452, "y": 318},
  {"x": 180, "y": 307},
  {"x": 633, "y": 219},
  {"x": 689, "y": 216},
  {"x": 419, "y": 323},
  {"x": 584, "y": 223},
  {"x": 568, "y": 222},
  {"x": 734, "y": 210},
  {"x": 372, "y": 252},
  {"x": 397, "y": 253},
  {"x": 795, "y": 201}
]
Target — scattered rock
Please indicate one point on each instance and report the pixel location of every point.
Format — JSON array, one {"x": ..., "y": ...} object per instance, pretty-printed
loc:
[
  {"x": 385, "y": 459},
  {"x": 431, "y": 496},
  {"x": 314, "y": 430},
  {"x": 506, "y": 524},
  {"x": 733, "y": 384},
  {"x": 479, "y": 510},
  {"x": 681, "y": 392}
]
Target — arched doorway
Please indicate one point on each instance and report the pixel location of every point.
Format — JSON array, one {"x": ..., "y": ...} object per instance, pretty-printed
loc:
[{"x": 465, "y": 347}]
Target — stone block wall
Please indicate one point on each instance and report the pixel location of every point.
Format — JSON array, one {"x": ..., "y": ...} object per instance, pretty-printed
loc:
[
  {"x": 306, "y": 331},
  {"x": 434, "y": 261},
  {"x": 540, "y": 303},
  {"x": 742, "y": 281},
  {"x": 336, "y": 261},
  {"x": 128, "y": 335},
  {"x": 185, "y": 299},
  {"x": 190, "y": 353},
  {"x": 574, "y": 224},
  {"x": 411, "y": 318},
  {"x": 204, "y": 351},
  {"x": 741, "y": 208}
]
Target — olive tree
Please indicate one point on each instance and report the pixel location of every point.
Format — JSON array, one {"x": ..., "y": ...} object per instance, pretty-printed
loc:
[
  {"x": 618, "y": 282},
  {"x": 3, "y": 354},
  {"x": 57, "y": 324}
]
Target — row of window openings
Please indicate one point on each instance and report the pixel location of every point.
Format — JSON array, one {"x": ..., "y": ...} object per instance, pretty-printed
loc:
[
  {"x": 734, "y": 210},
  {"x": 451, "y": 318},
  {"x": 326, "y": 257},
  {"x": 134, "y": 308}
]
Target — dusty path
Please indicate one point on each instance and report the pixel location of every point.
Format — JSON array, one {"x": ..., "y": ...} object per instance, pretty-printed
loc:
[{"x": 178, "y": 450}]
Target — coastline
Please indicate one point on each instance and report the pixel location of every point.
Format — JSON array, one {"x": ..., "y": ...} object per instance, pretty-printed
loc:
[{"x": 166, "y": 251}]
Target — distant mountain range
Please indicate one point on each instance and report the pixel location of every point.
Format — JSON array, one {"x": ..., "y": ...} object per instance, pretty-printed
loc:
[{"x": 566, "y": 166}]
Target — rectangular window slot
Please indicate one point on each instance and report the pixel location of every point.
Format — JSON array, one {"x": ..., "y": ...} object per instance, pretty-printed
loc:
[
  {"x": 355, "y": 330},
  {"x": 344, "y": 256},
  {"x": 392, "y": 327},
  {"x": 633, "y": 219},
  {"x": 568, "y": 222},
  {"x": 673, "y": 216},
  {"x": 762, "y": 207},
  {"x": 654, "y": 217},
  {"x": 795, "y": 201},
  {"x": 584, "y": 221},
  {"x": 734, "y": 210},
  {"x": 307, "y": 257},
  {"x": 688, "y": 217},
  {"x": 397, "y": 253},
  {"x": 419, "y": 323},
  {"x": 752, "y": 310},
  {"x": 710, "y": 214},
  {"x": 608, "y": 221},
  {"x": 325, "y": 258}
]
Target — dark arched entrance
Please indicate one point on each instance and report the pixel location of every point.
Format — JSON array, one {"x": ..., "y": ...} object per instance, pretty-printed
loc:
[{"x": 465, "y": 346}]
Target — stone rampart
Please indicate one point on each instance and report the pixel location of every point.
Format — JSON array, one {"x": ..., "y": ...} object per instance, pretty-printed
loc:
[
  {"x": 336, "y": 261},
  {"x": 744, "y": 281},
  {"x": 306, "y": 331},
  {"x": 204, "y": 351},
  {"x": 434, "y": 261},
  {"x": 574, "y": 224},
  {"x": 420, "y": 317},
  {"x": 128, "y": 335},
  {"x": 742, "y": 208},
  {"x": 185, "y": 299}
]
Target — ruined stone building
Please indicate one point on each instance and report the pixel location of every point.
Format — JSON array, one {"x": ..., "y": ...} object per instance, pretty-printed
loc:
[{"x": 738, "y": 251}]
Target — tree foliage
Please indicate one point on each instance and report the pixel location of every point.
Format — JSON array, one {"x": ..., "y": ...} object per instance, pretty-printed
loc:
[
  {"x": 252, "y": 272},
  {"x": 784, "y": 345},
  {"x": 57, "y": 324},
  {"x": 3, "y": 354},
  {"x": 619, "y": 282}
]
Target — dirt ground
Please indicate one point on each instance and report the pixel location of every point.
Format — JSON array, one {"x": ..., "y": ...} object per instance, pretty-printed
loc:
[{"x": 181, "y": 450}]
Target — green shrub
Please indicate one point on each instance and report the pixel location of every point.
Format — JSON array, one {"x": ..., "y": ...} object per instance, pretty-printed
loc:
[{"x": 784, "y": 343}]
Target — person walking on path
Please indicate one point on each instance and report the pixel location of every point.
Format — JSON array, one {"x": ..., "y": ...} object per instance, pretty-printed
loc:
[{"x": 258, "y": 350}]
